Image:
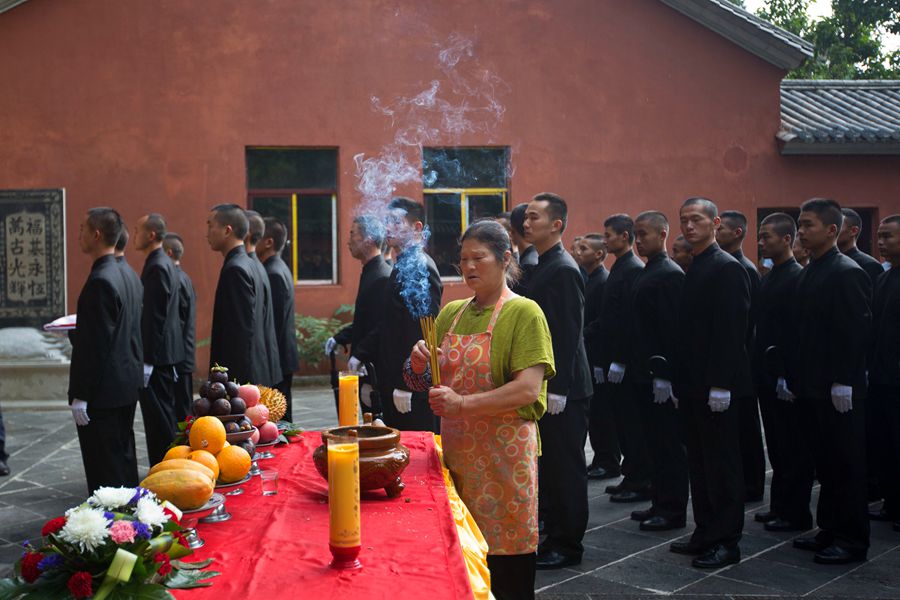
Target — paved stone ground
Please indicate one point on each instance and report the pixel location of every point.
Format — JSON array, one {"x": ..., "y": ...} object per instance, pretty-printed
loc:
[{"x": 619, "y": 560}]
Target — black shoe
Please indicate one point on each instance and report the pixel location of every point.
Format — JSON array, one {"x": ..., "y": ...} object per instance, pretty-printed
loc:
[
  {"x": 880, "y": 515},
  {"x": 627, "y": 497},
  {"x": 658, "y": 523},
  {"x": 4, "y": 468},
  {"x": 553, "y": 559},
  {"x": 601, "y": 473},
  {"x": 810, "y": 543},
  {"x": 835, "y": 555},
  {"x": 718, "y": 557},
  {"x": 762, "y": 517},
  {"x": 779, "y": 524},
  {"x": 641, "y": 515},
  {"x": 688, "y": 547},
  {"x": 615, "y": 489}
]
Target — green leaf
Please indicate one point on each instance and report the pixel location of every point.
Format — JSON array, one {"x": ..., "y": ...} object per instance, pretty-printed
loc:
[
  {"x": 190, "y": 578},
  {"x": 192, "y": 566},
  {"x": 141, "y": 591},
  {"x": 178, "y": 551}
]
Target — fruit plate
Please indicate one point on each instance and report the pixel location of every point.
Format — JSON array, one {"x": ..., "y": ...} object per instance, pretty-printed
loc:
[
  {"x": 267, "y": 444},
  {"x": 222, "y": 486},
  {"x": 227, "y": 418},
  {"x": 214, "y": 502},
  {"x": 239, "y": 436}
]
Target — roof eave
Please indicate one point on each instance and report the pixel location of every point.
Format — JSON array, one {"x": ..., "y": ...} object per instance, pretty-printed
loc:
[
  {"x": 794, "y": 148},
  {"x": 6, "y": 5}
]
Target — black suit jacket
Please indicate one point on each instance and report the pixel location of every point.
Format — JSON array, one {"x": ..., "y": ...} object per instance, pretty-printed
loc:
[
  {"x": 528, "y": 261},
  {"x": 593, "y": 296},
  {"x": 106, "y": 369},
  {"x": 362, "y": 334},
  {"x": 136, "y": 297},
  {"x": 871, "y": 266},
  {"x": 653, "y": 304},
  {"x": 885, "y": 365},
  {"x": 557, "y": 286},
  {"x": 712, "y": 327},
  {"x": 612, "y": 327},
  {"x": 281, "y": 282},
  {"x": 399, "y": 331},
  {"x": 271, "y": 338},
  {"x": 160, "y": 322},
  {"x": 753, "y": 275},
  {"x": 238, "y": 340},
  {"x": 774, "y": 320},
  {"x": 187, "y": 313},
  {"x": 833, "y": 320}
]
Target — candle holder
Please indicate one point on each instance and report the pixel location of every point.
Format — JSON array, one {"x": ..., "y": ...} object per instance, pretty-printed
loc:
[
  {"x": 343, "y": 501},
  {"x": 348, "y": 398}
]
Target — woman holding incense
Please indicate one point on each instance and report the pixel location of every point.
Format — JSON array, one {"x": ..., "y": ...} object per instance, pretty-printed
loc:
[{"x": 495, "y": 357}]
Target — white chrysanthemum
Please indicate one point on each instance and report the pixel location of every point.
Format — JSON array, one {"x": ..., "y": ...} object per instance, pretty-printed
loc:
[
  {"x": 150, "y": 513},
  {"x": 85, "y": 527},
  {"x": 111, "y": 498}
]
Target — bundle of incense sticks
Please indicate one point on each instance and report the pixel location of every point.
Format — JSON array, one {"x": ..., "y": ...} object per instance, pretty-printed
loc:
[{"x": 429, "y": 334}]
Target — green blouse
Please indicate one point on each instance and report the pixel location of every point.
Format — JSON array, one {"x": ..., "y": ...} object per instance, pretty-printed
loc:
[{"x": 521, "y": 339}]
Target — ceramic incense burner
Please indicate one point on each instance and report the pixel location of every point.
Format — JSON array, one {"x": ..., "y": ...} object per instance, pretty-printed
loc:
[{"x": 382, "y": 458}]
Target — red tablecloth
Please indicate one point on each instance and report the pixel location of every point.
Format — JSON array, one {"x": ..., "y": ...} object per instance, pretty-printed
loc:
[{"x": 277, "y": 546}]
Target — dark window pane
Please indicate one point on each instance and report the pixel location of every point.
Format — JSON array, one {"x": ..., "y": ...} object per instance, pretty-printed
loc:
[
  {"x": 315, "y": 231},
  {"x": 291, "y": 168},
  {"x": 465, "y": 167},
  {"x": 278, "y": 207},
  {"x": 443, "y": 216},
  {"x": 482, "y": 206}
]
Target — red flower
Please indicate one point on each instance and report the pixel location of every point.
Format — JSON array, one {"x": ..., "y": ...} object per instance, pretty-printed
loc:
[
  {"x": 179, "y": 537},
  {"x": 80, "y": 585},
  {"x": 166, "y": 566},
  {"x": 53, "y": 525},
  {"x": 29, "y": 566}
]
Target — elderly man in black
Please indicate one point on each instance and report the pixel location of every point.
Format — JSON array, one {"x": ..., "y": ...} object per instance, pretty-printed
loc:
[
  {"x": 827, "y": 373},
  {"x": 558, "y": 287},
  {"x": 884, "y": 372},
  {"x": 187, "y": 313},
  {"x": 105, "y": 373},
  {"x": 712, "y": 373},
  {"x": 162, "y": 335}
]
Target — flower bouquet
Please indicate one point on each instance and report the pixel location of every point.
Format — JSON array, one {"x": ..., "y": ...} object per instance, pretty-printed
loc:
[{"x": 121, "y": 543}]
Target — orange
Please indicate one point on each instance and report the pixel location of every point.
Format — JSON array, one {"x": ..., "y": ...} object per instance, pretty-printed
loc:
[
  {"x": 207, "y": 433},
  {"x": 206, "y": 459},
  {"x": 177, "y": 452},
  {"x": 234, "y": 464}
]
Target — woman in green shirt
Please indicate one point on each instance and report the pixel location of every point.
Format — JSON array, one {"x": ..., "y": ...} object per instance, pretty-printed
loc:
[{"x": 495, "y": 358}]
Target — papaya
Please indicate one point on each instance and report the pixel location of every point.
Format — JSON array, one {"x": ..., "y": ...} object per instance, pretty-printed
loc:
[
  {"x": 187, "y": 489},
  {"x": 183, "y": 463}
]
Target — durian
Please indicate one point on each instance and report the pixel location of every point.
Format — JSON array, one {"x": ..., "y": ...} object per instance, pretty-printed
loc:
[{"x": 274, "y": 401}]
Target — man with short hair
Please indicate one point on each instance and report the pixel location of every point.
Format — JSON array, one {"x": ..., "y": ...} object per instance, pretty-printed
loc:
[
  {"x": 528, "y": 256},
  {"x": 801, "y": 254},
  {"x": 827, "y": 373},
  {"x": 281, "y": 284},
  {"x": 255, "y": 229},
  {"x": 105, "y": 371},
  {"x": 187, "y": 314},
  {"x": 162, "y": 336},
  {"x": 712, "y": 372},
  {"x": 558, "y": 287},
  {"x": 236, "y": 341},
  {"x": 681, "y": 253},
  {"x": 654, "y": 298},
  {"x": 846, "y": 242}
]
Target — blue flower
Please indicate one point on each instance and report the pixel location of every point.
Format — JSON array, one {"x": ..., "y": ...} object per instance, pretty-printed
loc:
[
  {"x": 141, "y": 530},
  {"x": 51, "y": 561},
  {"x": 109, "y": 515},
  {"x": 139, "y": 493}
]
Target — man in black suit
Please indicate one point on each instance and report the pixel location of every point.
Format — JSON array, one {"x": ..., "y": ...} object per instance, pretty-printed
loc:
[
  {"x": 557, "y": 286},
  {"x": 827, "y": 373},
  {"x": 730, "y": 237},
  {"x": 131, "y": 277},
  {"x": 528, "y": 255},
  {"x": 162, "y": 336},
  {"x": 187, "y": 314},
  {"x": 237, "y": 339},
  {"x": 366, "y": 242},
  {"x": 281, "y": 282},
  {"x": 601, "y": 422},
  {"x": 400, "y": 329},
  {"x": 712, "y": 372},
  {"x": 884, "y": 372},
  {"x": 105, "y": 372},
  {"x": 681, "y": 253},
  {"x": 773, "y": 317},
  {"x": 255, "y": 229},
  {"x": 654, "y": 298}
]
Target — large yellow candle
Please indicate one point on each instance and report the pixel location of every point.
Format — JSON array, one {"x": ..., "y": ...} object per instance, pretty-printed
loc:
[
  {"x": 343, "y": 493},
  {"x": 348, "y": 399}
]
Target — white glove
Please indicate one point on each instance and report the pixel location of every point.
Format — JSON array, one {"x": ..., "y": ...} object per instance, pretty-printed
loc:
[
  {"x": 356, "y": 365},
  {"x": 402, "y": 401},
  {"x": 782, "y": 391},
  {"x": 616, "y": 373},
  {"x": 662, "y": 391},
  {"x": 79, "y": 412},
  {"x": 842, "y": 397},
  {"x": 599, "y": 377},
  {"x": 330, "y": 345},
  {"x": 365, "y": 394},
  {"x": 556, "y": 403},
  {"x": 148, "y": 371},
  {"x": 719, "y": 399}
]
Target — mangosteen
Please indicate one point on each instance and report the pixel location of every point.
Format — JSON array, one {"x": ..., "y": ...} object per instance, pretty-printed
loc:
[
  {"x": 249, "y": 446},
  {"x": 220, "y": 407},
  {"x": 232, "y": 427},
  {"x": 200, "y": 407},
  {"x": 204, "y": 389},
  {"x": 231, "y": 389},
  {"x": 218, "y": 374},
  {"x": 216, "y": 391},
  {"x": 246, "y": 424},
  {"x": 238, "y": 406}
]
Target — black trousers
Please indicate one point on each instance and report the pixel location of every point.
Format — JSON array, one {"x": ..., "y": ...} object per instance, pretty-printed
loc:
[
  {"x": 3, "y": 454},
  {"x": 636, "y": 465},
  {"x": 874, "y": 489},
  {"x": 602, "y": 432},
  {"x": 284, "y": 386},
  {"x": 184, "y": 395},
  {"x": 884, "y": 408},
  {"x": 777, "y": 426},
  {"x": 158, "y": 411},
  {"x": 714, "y": 463},
  {"x": 665, "y": 442},
  {"x": 107, "y": 448},
  {"x": 420, "y": 418},
  {"x": 512, "y": 576},
  {"x": 562, "y": 477},
  {"x": 835, "y": 452},
  {"x": 753, "y": 456}
]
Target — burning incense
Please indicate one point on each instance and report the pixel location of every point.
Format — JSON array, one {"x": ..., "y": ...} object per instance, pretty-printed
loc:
[{"x": 429, "y": 334}]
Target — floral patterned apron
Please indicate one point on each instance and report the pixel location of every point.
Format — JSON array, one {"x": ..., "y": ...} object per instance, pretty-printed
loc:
[{"x": 493, "y": 459}]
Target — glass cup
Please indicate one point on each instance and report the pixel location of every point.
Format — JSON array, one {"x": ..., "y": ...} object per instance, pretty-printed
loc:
[{"x": 268, "y": 479}]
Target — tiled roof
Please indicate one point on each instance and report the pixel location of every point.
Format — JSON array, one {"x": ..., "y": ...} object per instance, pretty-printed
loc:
[
  {"x": 5, "y": 5},
  {"x": 840, "y": 117}
]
